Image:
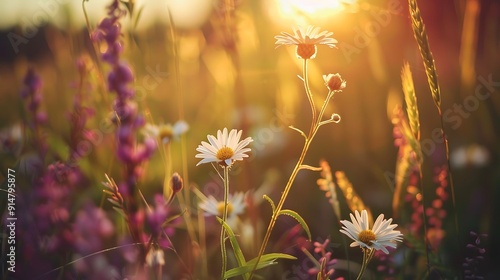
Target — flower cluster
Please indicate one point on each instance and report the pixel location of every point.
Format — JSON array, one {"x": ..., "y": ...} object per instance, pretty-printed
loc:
[
  {"x": 326, "y": 262},
  {"x": 413, "y": 197},
  {"x": 436, "y": 212},
  {"x": 126, "y": 112},
  {"x": 126, "y": 116}
]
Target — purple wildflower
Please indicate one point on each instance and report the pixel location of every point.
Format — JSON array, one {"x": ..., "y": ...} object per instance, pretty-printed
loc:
[
  {"x": 127, "y": 117},
  {"x": 325, "y": 269},
  {"x": 155, "y": 217},
  {"x": 475, "y": 260},
  {"x": 91, "y": 228},
  {"x": 384, "y": 263},
  {"x": 32, "y": 93},
  {"x": 131, "y": 153},
  {"x": 436, "y": 212},
  {"x": 79, "y": 135}
]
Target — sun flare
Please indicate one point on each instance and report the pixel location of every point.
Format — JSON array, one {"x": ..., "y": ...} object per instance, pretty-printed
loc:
[{"x": 311, "y": 7}]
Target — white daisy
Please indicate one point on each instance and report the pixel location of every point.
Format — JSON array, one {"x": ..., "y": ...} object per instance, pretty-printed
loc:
[
  {"x": 306, "y": 40},
  {"x": 166, "y": 132},
  {"x": 213, "y": 207},
  {"x": 225, "y": 149},
  {"x": 380, "y": 236}
]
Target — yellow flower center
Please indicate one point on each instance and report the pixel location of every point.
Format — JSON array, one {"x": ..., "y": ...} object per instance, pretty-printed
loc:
[
  {"x": 224, "y": 153},
  {"x": 366, "y": 236},
  {"x": 220, "y": 208},
  {"x": 165, "y": 132},
  {"x": 306, "y": 51}
]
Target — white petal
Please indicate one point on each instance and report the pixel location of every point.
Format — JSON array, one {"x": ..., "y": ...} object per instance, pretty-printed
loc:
[
  {"x": 209, "y": 147},
  {"x": 364, "y": 217},
  {"x": 378, "y": 223},
  {"x": 205, "y": 160},
  {"x": 214, "y": 142},
  {"x": 355, "y": 221},
  {"x": 349, "y": 234},
  {"x": 224, "y": 137}
]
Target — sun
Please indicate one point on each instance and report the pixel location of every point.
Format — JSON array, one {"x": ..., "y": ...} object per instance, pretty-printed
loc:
[{"x": 291, "y": 8}]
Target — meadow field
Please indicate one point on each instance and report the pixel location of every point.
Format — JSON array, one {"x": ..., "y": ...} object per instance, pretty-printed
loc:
[{"x": 250, "y": 139}]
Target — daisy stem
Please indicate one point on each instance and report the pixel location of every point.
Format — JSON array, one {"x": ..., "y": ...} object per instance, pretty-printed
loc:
[
  {"x": 315, "y": 124},
  {"x": 367, "y": 256},
  {"x": 224, "y": 219},
  {"x": 308, "y": 92}
]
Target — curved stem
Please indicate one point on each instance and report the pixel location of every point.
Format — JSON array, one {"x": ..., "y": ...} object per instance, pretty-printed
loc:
[{"x": 224, "y": 219}]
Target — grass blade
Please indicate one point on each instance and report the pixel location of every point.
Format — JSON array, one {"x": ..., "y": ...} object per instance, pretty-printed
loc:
[
  {"x": 299, "y": 219},
  {"x": 265, "y": 261}
]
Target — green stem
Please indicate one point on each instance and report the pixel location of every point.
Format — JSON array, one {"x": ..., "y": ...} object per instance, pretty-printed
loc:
[
  {"x": 450, "y": 177},
  {"x": 308, "y": 92},
  {"x": 224, "y": 219},
  {"x": 367, "y": 256},
  {"x": 315, "y": 124}
]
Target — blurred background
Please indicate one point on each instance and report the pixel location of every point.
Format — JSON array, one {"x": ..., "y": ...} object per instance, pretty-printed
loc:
[{"x": 215, "y": 65}]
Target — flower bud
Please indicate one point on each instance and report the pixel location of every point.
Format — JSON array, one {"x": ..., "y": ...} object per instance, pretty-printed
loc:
[
  {"x": 334, "y": 82},
  {"x": 176, "y": 182},
  {"x": 175, "y": 185}
]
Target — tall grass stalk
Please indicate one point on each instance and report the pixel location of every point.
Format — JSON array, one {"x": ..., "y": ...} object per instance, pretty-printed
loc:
[
  {"x": 430, "y": 70},
  {"x": 413, "y": 136},
  {"x": 184, "y": 195},
  {"x": 315, "y": 125}
]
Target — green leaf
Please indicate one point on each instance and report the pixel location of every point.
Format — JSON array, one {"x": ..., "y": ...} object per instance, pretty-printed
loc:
[
  {"x": 270, "y": 202},
  {"x": 272, "y": 257},
  {"x": 244, "y": 270},
  {"x": 236, "y": 247},
  {"x": 299, "y": 219},
  {"x": 265, "y": 261}
]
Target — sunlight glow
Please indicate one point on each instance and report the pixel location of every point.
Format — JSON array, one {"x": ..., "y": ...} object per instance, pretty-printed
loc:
[{"x": 291, "y": 8}]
